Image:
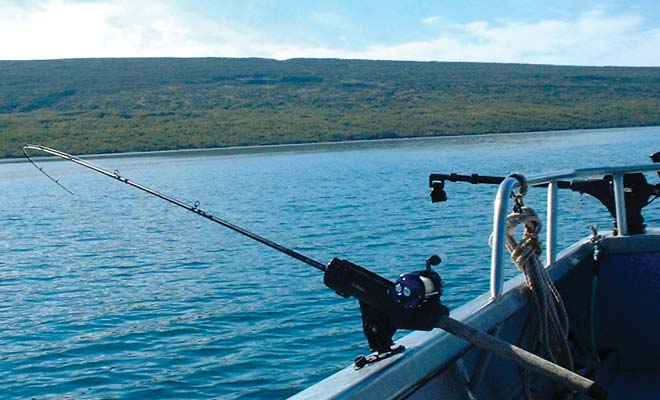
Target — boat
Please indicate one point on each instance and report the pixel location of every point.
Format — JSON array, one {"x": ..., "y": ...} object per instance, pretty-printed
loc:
[{"x": 610, "y": 289}]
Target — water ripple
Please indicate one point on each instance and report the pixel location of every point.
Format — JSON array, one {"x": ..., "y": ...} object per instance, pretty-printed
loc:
[{"x": 113, "y": 294}]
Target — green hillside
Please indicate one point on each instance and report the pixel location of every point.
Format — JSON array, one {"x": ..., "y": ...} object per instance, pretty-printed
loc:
[{"x": 112, "y": 105}]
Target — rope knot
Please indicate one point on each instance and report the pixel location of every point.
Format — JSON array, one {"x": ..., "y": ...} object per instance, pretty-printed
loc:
[{"x": 529, "y": 245}]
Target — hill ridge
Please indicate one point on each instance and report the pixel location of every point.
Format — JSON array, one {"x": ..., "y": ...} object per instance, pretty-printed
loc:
[{"x": 141, "y": 104}]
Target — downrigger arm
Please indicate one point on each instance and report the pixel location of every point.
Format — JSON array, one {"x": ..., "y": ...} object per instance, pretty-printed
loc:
[{"x": 638, "y": 192}]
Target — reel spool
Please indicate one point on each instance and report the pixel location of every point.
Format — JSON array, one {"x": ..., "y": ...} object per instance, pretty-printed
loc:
[{"x": 413, "y": 289}]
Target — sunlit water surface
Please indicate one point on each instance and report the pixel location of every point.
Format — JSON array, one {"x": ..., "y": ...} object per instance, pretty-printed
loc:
[{"x": 112, "y": 293}]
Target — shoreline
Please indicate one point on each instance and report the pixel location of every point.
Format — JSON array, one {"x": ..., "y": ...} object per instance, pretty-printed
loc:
[{"x": 267, "y": 148}]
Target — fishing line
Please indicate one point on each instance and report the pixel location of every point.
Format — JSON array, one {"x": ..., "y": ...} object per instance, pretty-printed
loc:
[
  {"x": 57, "y": 182},
  {"x": 192, "y": 208}
]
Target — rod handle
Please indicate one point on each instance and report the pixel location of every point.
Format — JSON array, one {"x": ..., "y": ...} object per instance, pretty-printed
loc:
[{"x": 523, "y": 358}]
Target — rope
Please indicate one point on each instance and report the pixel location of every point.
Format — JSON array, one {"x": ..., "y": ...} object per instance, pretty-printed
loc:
[{"x": 548, "y": 316}]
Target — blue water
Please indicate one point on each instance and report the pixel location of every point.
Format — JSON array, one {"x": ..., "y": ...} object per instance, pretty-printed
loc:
[{"x": 112, "y": 293}]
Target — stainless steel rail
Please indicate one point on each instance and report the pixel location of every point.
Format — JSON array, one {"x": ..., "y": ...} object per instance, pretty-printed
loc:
[{"x": 501, "y": 208}]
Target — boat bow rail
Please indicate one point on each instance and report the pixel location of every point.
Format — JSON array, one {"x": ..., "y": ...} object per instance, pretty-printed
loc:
[{"x": 552, "y": 180}]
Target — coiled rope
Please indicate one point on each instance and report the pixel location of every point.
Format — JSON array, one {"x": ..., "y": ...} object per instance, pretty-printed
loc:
[{"x": 548, "y": 318}]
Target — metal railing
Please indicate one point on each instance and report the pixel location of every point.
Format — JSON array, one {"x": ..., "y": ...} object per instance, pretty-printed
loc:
[{"x": 501, "y": 209}]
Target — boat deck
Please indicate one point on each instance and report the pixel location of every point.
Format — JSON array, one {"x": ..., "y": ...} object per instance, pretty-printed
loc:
[{"x": 635, "y": 384}]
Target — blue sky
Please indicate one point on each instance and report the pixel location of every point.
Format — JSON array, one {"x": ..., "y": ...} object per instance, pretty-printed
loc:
[{"x": 547, "y": 32}]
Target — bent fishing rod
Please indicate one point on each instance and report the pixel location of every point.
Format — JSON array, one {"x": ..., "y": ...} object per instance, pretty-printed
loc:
[
  {"x": 411, "y": 303},
  {"x": 192, "y": 208}
]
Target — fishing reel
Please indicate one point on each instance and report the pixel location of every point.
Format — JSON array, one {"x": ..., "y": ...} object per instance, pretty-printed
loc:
[
  {"x": 412, "y": 302},
  {"x": 415, "y": 288}
]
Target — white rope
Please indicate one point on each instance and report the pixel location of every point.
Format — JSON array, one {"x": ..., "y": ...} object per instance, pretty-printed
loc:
[{"x": 550, "y": 327}]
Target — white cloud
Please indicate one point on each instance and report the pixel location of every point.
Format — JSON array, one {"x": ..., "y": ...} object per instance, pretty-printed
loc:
[
  {"x": 430, "y": 20},
  {"x": 67, "y": 29},
  {"x": 591, "y": 39},
  {"x": 122, "y": 28}
]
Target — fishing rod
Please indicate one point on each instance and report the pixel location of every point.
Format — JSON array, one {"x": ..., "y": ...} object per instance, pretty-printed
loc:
[
  {"x": 411, "y": 303},
  {"x": 192, "y": 208}
]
